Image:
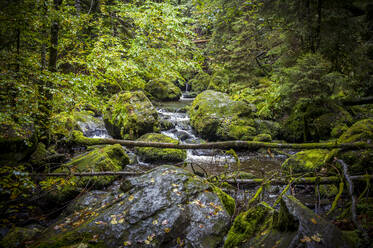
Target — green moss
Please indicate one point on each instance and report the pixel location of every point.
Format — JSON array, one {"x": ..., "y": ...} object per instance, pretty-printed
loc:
[
  {"x": 163, "y": 90},
  {"x": 247, "y": 224},
  {"x": 227, "y": 201},
  {"x": 17, "y": 236},
  {"x": 305, "y": 161},
  {"x": 360, "y": 161},
  {"x": 150, "y": 154},
  {"x": 129, "y": 115},
  {"x": 215, "y": 116},
  {"x": 107, "y": 158},
  {"x": 263, "y": 137},
  {"x": 328, "y": 190}
]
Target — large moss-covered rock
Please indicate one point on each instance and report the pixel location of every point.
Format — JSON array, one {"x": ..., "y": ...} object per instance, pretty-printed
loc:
[
  {"x": 360, "y": 161},
  {"x": 107, "y": 158},
  {"x": 167, "y": 207},
  {"x": 129, "y": 115},
  {"x": 312, "y": 121},
  {"x": 151, "y": 154},
  {"x": 305, "y": 161},
  {"x": 163, "y": 90},
  {"x": 216, "y": 117},
  {"x": 293, "y": 224}
]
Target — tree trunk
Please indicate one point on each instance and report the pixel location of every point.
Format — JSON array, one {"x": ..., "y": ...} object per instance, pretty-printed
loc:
[
  {"x": 224, "y": 145},
  {"x": 53, "y": 53}
]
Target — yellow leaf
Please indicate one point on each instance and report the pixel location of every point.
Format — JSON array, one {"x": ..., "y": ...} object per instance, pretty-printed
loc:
[
  {"x": 127, "y": 243},
  {"x": 155, "y": 222},
  {"x": 131, "y": 198},
  {"x": 121, "y": 220},
  {"x": 167, "y": 230},
  {"x": 305, "y": 239},
  {"x": 147, "y": 242},
  {"x": 152, "y": 180},
  {"x": 113, "y": 221},
  {"x": 316, "y": 238},
  {"x": 313, "y": 220}
]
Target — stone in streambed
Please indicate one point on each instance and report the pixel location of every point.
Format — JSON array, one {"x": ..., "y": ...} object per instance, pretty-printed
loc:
[
  {"x": 167, "y": 207},
  {"x": 216, "y": 117},
  {"x": 163, "y": 90},
  {"x": 129, "y": 115},
  {"x": 158, "y": 155},
  {"x": 305, "y": 161}
]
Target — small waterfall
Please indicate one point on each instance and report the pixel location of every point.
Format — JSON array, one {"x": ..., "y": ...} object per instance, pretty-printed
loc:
[
  {"x": 94, "y": 128},
  {"x": 186, "y": 87}
]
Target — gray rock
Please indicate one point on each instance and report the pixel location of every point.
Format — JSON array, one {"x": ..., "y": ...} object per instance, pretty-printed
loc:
[{"x": 166, "y": 207}]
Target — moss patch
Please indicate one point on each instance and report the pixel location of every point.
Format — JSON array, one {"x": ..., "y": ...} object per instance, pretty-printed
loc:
[
  {"x": 151, "y": 154},
  {"x": 107, "y": 158},
  {"x": 227, "y": 201},
  {"x": 247, "y": 224},
  {"x": 263, "y": 137},
  {"x": 305, "y": 161}
]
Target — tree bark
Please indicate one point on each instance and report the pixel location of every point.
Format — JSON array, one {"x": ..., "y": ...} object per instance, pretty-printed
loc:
[
  {"x": 303, "y": 181},
  {"x": 53, "y": 53},
  {"x": 249, "y": 145}
]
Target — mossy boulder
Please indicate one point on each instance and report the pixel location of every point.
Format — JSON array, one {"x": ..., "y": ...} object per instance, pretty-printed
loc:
[
  {"x": 129, "y": 115},
  {"x": 105, "y": 158},
  {"x": 305, "y": 161},
  {"x": 158, "y": 155},
  {"x": 360, "y": 161},
  {"x": 165, "y": 207},
  {"x": 313, "y": 121},
  {"x": 200, "y": 82},
  {"x": 163, "y": 90},
  {"x": 17, "y": 236},
  {"x": 64, "y": 123},
  {"x": 216, "y": 117},
  {"x": 294, "y": 223}
]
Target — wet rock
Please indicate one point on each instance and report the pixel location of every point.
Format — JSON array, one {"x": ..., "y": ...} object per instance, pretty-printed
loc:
[
  {"x": 216, "y": 117},
  {"x": 129, "y": 115},
  {"x": 107, "y": 158},
  {"x": 158, "y": 155},
  {"x": 305, "y": 161},
  {"x": 294, "y": 225},
  {"x": 167, "y": 207},
  {"x": 163, "y": 90},
  {"x": 361, "y": 161}
]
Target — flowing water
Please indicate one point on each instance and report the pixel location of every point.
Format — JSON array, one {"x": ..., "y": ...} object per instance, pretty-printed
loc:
[{"x": 211, "y": 162}]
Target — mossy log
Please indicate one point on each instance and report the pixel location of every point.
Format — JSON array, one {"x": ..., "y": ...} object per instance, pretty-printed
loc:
[
  {"x": 78, "y": 138},
  {"x": 303, "y": 181},
  {"x": 85, "y": 174},
  {"x": 358, "y": 101}
]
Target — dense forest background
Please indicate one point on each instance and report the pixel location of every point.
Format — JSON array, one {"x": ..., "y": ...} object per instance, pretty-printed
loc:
[{"x": 305, "y": 64}]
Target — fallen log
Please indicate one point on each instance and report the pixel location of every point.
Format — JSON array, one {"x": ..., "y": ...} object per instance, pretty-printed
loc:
[
  {"x": 79, "y": 139},
  {"x": 303, "y": 181},
  {"x": 85, "y": 174},
  {"x": 200, "y": 41}
]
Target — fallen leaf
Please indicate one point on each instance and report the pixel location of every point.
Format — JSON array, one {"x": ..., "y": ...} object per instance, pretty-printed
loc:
[
  {"x": 167, "y": 230},
  {"x": 114, "y": 221},
  {"x": 155, "y": 222},
  {"x": 127, "y": 243},
  {"x": 131, "y": 198},
  {"x": 305, "y": 239},
  {"x": 152, "y": 180},
  {"x": 165, "y": 222},
  {"x": 316, "y": 238},
  {"x": 121, "y": 220},
  {"x": 314, "y": 221}
]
